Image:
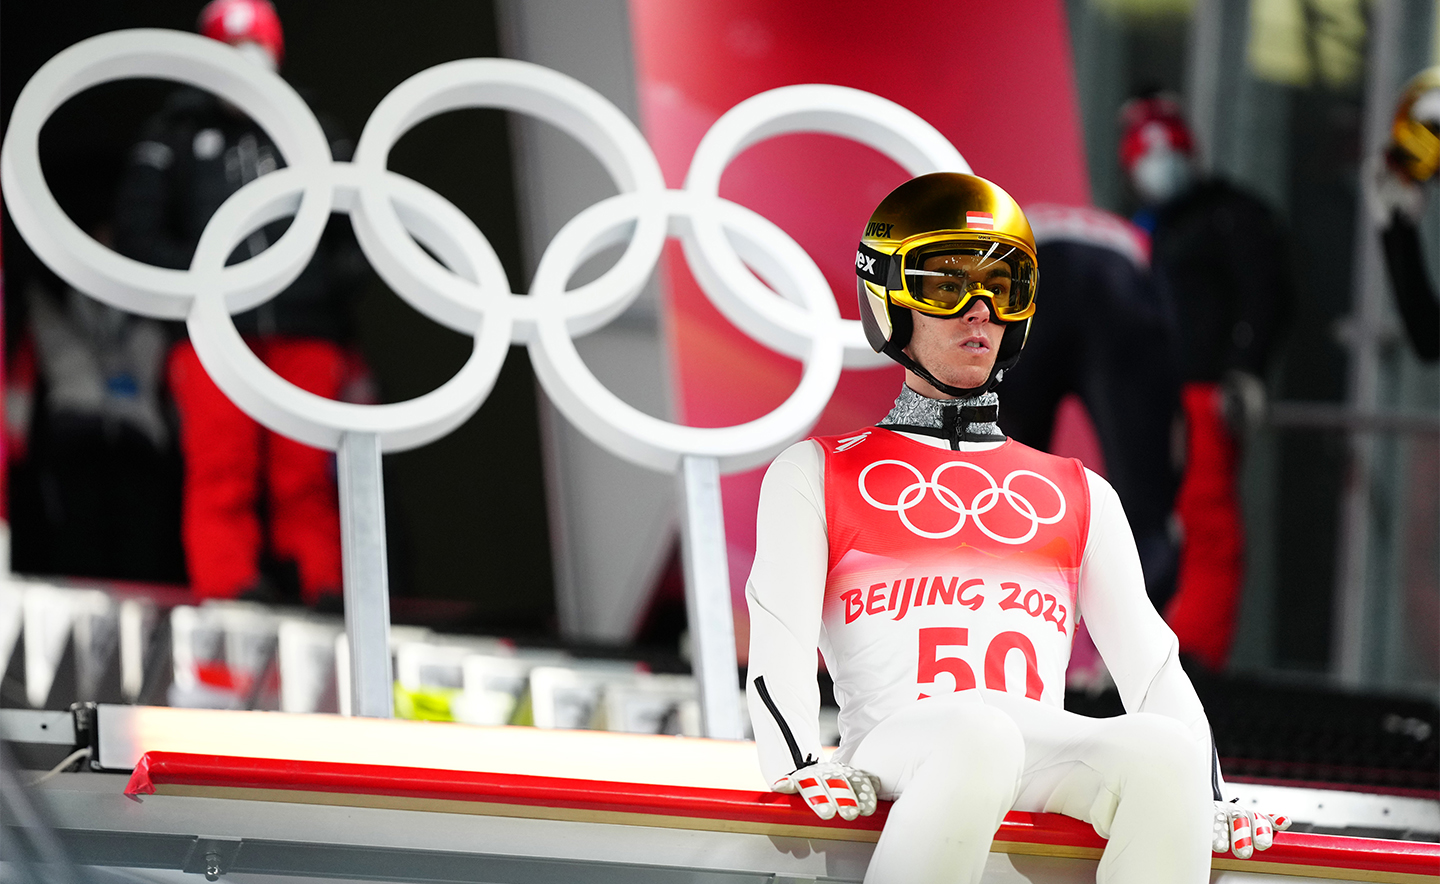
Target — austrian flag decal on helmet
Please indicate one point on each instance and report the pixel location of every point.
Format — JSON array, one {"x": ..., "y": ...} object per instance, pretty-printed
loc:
[{"x": 980, "y": 220}]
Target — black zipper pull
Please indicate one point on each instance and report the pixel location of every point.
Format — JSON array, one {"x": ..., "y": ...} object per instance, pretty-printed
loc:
[{"x": 949, "y": 424}]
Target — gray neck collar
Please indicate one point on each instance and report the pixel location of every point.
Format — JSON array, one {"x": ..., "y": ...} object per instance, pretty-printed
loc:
[{"x": 955, "y": 420}]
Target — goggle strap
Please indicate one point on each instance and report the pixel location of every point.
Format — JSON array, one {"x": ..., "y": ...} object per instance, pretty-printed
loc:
[{"x": 877, "y": 267}]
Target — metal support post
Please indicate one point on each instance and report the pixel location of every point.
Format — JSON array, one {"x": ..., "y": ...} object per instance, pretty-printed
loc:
[
  {"x": 1350, "y": 652},
  {"x": 707, "y": 597},
  {"x": 1203, "y": 73},
  {"x": 1215, "y": 76},
  {"x": 367, "y": 580}
]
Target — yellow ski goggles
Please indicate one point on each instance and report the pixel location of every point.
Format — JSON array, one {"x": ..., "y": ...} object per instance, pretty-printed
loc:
[
  {"x": 1416, "y": 149},
  {"x": 1415, "y": 132},
  {"x": 941, "y": 275}
]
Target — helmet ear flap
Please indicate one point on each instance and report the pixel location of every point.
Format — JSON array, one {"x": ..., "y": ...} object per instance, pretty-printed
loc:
[
  {"x": 877, "y": 317},
  {"x": 887, "y": 328}
]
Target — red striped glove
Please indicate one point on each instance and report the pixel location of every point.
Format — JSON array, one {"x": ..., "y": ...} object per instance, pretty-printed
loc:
[
  {"x": 1242, "y": 832},
  {"x": 830, "y": 787}
]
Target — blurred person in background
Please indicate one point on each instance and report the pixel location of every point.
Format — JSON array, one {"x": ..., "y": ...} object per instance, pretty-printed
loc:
[
  {"x": 1107, "y": 337},
  {"x": 1397, "y": 182},
  {"x": 90, "y": 436},
  {"x": 193, "y": 155},
  {"x": 1222, "y": 260}
]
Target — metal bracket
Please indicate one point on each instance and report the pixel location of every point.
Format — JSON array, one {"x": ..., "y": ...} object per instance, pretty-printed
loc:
[{"x": 212, "y": 856}]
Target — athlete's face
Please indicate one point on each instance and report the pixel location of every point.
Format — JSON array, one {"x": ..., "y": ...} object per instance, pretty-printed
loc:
[{"x": 957, "y": 350}]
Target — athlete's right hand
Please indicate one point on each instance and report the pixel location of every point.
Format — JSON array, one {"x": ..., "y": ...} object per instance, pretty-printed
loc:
[{"x": 829, "y": 787}]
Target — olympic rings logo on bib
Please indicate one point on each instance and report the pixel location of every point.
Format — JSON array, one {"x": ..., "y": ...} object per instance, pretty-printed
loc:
[
  {"x": 434, "y": 257},
  {"x": 983, "y": 502}
]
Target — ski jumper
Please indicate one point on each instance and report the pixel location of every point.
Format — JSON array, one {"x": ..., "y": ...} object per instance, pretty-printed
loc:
[
  {"x": 1221, "y": 257},
  {"x": 943, "y": 588}
]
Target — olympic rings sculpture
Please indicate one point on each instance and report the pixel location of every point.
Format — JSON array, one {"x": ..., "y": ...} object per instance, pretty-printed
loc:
[
  {"x": 983, "y": 502},
  {"x": 467, "y": 289}
]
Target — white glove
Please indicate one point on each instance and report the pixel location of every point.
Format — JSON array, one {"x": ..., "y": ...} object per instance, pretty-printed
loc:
[
  {"x": 1242, "y": 832},
  {"x": 1386, "y": 192},
  {"x": 828, "y": 787},
  {"x": 1243, "y": 400}
]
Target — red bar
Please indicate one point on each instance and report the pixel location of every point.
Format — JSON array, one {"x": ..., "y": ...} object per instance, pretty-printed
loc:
[
  {"x": 1291, "y": 848},
  {"x": 414, "y": 782}
]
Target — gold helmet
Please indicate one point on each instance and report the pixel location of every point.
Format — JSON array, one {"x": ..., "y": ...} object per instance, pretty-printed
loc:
[
  {"x": 1415, "y": 134},
  {"x": 935, "y": 244}
]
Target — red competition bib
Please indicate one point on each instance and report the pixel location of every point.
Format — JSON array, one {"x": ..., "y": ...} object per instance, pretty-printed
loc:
[{"x": 949, "y": 570}]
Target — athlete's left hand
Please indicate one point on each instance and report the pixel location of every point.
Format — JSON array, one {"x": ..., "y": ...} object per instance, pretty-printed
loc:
[{"x": 1242, "y": 832}]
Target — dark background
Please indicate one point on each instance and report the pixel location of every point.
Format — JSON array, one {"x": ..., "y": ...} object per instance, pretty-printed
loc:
[{"x": 467, "y": 519}]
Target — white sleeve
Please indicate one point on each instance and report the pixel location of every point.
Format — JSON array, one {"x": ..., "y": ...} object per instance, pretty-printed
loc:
[
  {"x": 785, "y": 593},
  {"x": 1139, "y": 649}
]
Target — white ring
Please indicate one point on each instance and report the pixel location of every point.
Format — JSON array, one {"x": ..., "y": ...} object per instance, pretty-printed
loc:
[
  {"x": 836, "y": 110},
  {"x": 457, "y": 298},
  {"x": 1014, "y": 498},
  {"x": 530, "y": 89},
  {"x": 286, "y": 408},
  {"x": 914, "y": 493},
  {"x": 187, "y": 58},
  {"x": 889, "y": 507},
  {"x": 659, "y": 444}
]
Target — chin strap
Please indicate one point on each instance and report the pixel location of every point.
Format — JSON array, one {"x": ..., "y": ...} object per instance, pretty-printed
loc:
[{"x": 904, "y": 359}]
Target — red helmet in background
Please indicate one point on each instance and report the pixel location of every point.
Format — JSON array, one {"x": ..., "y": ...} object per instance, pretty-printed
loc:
[
  {"x": 244, "y": 21},
  {"x": 1149, "y": 123}
]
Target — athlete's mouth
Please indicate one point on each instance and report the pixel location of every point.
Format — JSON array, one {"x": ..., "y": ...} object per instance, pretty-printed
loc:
[{"x": 976, "y": 344}]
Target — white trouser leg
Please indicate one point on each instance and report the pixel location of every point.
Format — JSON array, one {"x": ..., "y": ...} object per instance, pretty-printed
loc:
[
  {"x": 1141, "y": 779},
  {"x": 1143, "y": 783},
  {"x": 954, "y": 762},
  {"x": 955, "y": 765},
  {"x": 1155, "y": 782}
]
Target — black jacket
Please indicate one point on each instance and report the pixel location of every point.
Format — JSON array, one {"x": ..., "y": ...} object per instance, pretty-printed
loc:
[
  {"x": 1414, "y": 295},
  {"x": 193, "y": 155},
  {"x": 1223, "y": 260}
]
